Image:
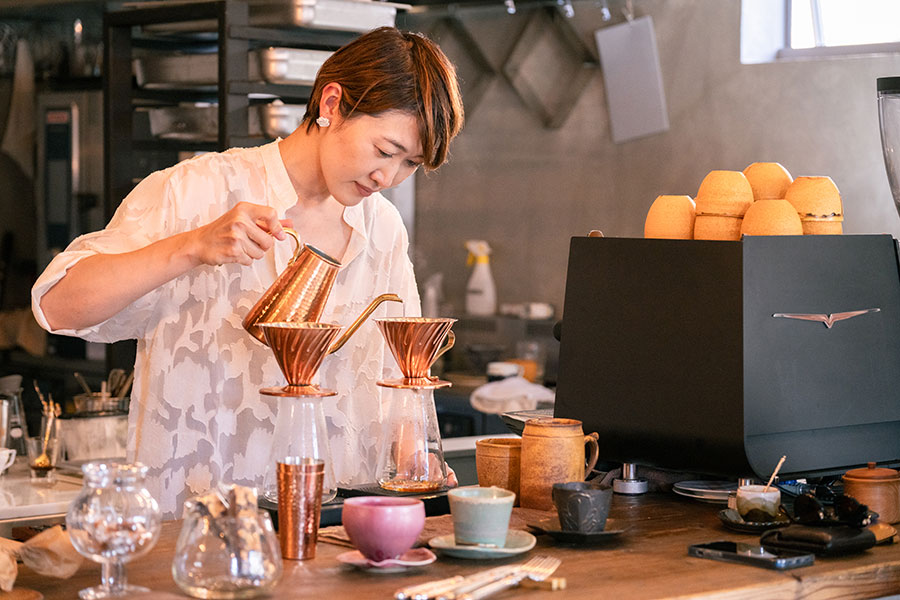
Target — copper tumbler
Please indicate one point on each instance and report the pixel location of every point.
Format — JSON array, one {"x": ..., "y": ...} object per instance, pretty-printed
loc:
[{"x": 299, "y": 505}]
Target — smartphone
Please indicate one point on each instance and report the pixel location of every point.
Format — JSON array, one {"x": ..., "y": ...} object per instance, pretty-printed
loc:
[{"x": 751, "y": 554}]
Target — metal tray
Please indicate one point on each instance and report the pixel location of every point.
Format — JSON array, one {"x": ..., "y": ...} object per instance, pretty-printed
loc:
[
  {"x": 200, "y": 122},
  {"x": 293, "y": 66},
  {"x": 335, "y": 15},
  {"x": 338, "y": 15}
]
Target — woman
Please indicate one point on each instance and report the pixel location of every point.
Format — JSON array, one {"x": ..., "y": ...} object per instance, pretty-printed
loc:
[{"x": 193, "y": 247}]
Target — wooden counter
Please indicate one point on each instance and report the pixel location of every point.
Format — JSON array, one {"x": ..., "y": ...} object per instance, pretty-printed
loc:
[{"x": 650, "y": 561}]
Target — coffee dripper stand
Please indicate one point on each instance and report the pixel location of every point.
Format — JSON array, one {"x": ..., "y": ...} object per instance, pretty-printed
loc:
[
  {"x": 300, "y": 429},
  {"x": 413, "y": 459}
]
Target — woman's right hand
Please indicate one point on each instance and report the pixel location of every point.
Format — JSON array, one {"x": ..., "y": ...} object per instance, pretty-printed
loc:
[{"x": 241, "y": 235}]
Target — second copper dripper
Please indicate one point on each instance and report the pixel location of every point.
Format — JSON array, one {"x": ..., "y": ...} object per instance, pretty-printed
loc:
[
  {"x": 299, "y": 506},
  {"x": 416, "y": 342}
]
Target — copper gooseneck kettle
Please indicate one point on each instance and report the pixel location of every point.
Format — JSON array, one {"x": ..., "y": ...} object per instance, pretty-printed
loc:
[{"x": 300, "y": 293}]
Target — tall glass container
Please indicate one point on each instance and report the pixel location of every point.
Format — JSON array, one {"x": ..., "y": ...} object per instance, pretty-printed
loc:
[
  {"x": 413, "y": 461},
  {"x": 300, "y": 432},
  {"x": 889, "y": 122}
]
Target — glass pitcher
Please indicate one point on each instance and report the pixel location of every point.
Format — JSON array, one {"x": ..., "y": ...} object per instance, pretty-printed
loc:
[
  {"x": 300, "y": 431},
  {"x": 112, "y": 521},
  {"x": 12, "y": 417},
  {"x": 226, "y": 556},
  {"x": 413, "y": 461}
]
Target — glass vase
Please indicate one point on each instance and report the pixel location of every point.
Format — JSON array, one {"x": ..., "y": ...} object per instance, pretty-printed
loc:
[{"x": 112, "y": 521}]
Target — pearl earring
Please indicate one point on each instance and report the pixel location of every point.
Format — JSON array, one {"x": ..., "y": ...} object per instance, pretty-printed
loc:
[{"x": 323, "y": 121}]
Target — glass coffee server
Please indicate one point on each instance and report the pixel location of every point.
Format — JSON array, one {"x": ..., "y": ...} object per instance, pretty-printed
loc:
[
  {"x": 413, "y": 459},
  {"x": 300, "y": 430}
]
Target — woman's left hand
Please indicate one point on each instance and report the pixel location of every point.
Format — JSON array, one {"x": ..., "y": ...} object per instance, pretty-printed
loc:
[{"x": 451, "y": 481}]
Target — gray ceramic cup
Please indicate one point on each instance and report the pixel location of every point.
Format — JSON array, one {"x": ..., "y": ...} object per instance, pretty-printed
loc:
[
  {"x": 480, "y": 515},
  {"x": 580, "y": 507}
]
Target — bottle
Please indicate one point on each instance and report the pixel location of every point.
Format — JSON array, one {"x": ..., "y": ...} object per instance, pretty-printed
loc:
[
  {"x": 481, "y": 294},
  {"x": 431, "y": 297}
]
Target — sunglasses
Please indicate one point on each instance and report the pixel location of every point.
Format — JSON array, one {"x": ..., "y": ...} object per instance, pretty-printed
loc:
[{"x": 838, "y": 509}]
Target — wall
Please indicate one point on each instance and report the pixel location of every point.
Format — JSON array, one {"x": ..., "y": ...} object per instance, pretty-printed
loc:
[{"x": 528, "y": 189}]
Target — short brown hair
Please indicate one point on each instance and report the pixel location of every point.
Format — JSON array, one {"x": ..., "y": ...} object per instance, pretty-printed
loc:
[{"x": 388, "y": 69}]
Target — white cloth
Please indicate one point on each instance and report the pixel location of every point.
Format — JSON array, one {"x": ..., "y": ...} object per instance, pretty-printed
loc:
[
  {"x": 197, "y": 418},
  {"x": 510, "y": 394}
]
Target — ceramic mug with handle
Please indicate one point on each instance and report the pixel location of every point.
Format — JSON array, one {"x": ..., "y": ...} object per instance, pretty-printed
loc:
[
  {"x": 7, "y": 458},
  {"x": 553, "y": 451}
]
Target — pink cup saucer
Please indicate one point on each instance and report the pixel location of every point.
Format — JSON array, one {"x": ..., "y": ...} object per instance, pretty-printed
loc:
[{"x": 416, "y": 557}]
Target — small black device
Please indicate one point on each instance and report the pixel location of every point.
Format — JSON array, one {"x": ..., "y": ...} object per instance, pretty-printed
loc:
[{"x": 751, "y": 554}]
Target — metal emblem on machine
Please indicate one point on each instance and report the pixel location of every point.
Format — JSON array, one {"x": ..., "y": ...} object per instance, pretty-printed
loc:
[{"x": 827, "y": 320}]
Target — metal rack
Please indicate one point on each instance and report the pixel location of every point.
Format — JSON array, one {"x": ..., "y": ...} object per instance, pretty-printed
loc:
[{"x": 234, "y": 38}]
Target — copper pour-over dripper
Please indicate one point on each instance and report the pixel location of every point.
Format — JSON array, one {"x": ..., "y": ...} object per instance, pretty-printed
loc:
[
  {"x": 299, "y": 349},
  {"x": 415, "y": 343}
]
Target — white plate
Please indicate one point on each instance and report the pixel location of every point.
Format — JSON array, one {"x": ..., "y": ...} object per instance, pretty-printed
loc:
[
  {"x": 709, "y": 499},
  {"x": 706, "y": 489}
]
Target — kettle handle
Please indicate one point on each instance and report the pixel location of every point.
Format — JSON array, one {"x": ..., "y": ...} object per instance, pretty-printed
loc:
[{"x": 296, "y": 237}]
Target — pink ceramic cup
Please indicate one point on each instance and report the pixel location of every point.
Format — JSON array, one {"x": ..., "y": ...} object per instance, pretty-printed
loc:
[{"x": 383, "y": 527}]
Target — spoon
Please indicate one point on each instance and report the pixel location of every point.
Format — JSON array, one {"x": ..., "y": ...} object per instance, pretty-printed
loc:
[
  {"x": 43, "y": 461},
  {"x": 40, "y": 395}
]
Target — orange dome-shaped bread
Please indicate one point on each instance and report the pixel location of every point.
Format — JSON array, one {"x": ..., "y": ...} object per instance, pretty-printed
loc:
[
  {"x": 717, "y": 227},
  {"x": 822, "y": 227},
  {"x": 771, "y": 217},
  {"x": 670, "y": 217},
  {"x": 818, "y": 202},
  {"x": 726, "y": 193},
  {"x": 768, "y": 180}
]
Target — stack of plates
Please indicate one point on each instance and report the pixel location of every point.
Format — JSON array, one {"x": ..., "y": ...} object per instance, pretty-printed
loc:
[{"x": 715, "y": 492}]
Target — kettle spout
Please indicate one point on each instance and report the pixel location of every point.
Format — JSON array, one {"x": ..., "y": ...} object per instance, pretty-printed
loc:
[{"x": 359, "y": 320}]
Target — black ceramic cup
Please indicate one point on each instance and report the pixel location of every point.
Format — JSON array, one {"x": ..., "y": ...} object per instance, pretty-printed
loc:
[{"x": 581, "y": 507}]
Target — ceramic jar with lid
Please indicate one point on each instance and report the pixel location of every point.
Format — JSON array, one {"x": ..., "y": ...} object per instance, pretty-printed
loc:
[{"x": 876, "y": 487}]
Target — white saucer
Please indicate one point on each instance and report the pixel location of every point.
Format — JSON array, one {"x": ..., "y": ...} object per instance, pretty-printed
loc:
[
  {"x": 714, "y": 492},
  {"x": 517, "y": 542},
  {"x": 416, "y": 557}
]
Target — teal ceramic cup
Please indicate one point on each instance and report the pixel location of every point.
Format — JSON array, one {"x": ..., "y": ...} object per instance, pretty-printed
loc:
[{"x": 480, "y": 515}]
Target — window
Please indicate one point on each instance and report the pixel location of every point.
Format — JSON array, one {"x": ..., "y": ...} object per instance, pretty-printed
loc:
[
  {"x": 818, "y": 23},
  {"x": 796, "y": 29}
]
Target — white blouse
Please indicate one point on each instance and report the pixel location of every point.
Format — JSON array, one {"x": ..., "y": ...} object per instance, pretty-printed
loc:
[{"x": 197, "y": 418}]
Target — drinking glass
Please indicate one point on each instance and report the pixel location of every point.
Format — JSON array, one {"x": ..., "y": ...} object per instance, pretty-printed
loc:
[
  {"x": 43, "y": 472},
  {"x": 113, "y": 520}
]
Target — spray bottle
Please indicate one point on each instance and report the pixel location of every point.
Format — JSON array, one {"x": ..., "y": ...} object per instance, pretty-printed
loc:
[{"x": 481, "y": 294}]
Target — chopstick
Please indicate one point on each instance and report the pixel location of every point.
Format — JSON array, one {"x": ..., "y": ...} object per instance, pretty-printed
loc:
[
  {"x": 451, "y": 585},
  {"x": 126, "y": 385},
  {"x": 81, "y": 381}
]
